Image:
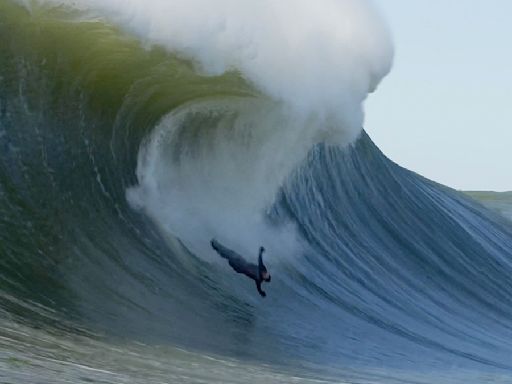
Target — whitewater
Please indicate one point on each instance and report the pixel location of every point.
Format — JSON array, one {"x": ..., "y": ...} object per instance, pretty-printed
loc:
[{"x": 133, "y": 132}]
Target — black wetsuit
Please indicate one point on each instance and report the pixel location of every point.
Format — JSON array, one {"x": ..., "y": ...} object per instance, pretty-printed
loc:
[{"x": 240, "y": 265}]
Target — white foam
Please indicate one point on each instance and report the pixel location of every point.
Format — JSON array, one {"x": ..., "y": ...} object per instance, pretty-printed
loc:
[
  {"x": 320, "y": 57},
  {"x": 315, "y": 60},
  {"x": 219, "y": 180}
]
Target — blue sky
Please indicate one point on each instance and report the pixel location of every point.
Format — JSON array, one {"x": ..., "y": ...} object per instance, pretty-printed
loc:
[{"x": 445, "y": 110}]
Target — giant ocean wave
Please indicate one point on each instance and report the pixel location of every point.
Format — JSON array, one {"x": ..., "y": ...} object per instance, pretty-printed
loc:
[{"x": 123, "y": 154}]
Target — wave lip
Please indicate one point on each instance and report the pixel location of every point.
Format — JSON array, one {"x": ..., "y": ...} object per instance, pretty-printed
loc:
[{"x": 320, "y": 58}]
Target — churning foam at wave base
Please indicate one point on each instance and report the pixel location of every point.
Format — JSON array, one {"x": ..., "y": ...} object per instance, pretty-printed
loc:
[
  {"x": 319, "y": 57},
  {"x": 211, "y": 168}
]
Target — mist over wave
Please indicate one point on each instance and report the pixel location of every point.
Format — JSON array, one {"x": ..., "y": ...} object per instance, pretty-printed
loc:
[
  {"x": 320, "y": 58},
  {"x": 314, "y": 62},
  {"x": 213, "y": 169}
]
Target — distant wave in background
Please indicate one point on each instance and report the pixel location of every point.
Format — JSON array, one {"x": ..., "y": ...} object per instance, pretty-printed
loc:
[
  {"x": 500, "y": 202},
  {"x": 133, "y": 133}
]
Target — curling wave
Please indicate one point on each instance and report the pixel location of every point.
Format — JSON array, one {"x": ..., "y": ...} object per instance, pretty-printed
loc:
[{"x": 119, "y": 161}]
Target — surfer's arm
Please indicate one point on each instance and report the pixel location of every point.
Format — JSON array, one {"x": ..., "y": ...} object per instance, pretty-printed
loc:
[
  {"x": 260, "y": 291},
  {"x": 260, "y": 257}
]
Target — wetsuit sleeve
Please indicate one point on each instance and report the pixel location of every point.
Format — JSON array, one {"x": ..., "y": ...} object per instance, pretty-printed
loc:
[
  {"x": 260, "y": 259},
  {"x": 260, "y": 291}
]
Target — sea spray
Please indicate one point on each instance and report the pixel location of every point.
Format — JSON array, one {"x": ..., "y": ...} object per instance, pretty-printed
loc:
[
  {"x": 319, "y": 57},
  {"x": 312, "y": 63}
]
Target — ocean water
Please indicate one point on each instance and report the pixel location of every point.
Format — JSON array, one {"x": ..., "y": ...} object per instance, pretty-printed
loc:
[
  {"x": 122, "y": 153},
  {"x": 500, "y": 202}
]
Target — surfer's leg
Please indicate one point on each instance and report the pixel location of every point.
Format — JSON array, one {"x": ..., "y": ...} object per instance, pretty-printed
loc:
[
  {"x": 214, "y": 244},
  {"x": 224, "y": 252},
  {"x": 221, "y": 250}
]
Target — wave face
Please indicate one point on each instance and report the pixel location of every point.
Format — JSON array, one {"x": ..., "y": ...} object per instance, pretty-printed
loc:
[{"x": 120, "y": 161}]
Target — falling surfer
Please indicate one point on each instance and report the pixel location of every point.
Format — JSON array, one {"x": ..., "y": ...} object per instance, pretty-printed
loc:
[{"x": 258, "y": 272}]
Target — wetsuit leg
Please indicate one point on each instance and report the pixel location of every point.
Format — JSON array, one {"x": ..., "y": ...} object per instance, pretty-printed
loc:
[
  {"x": 223, "y": 251},
  {"x": 239, "y": 264}
]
